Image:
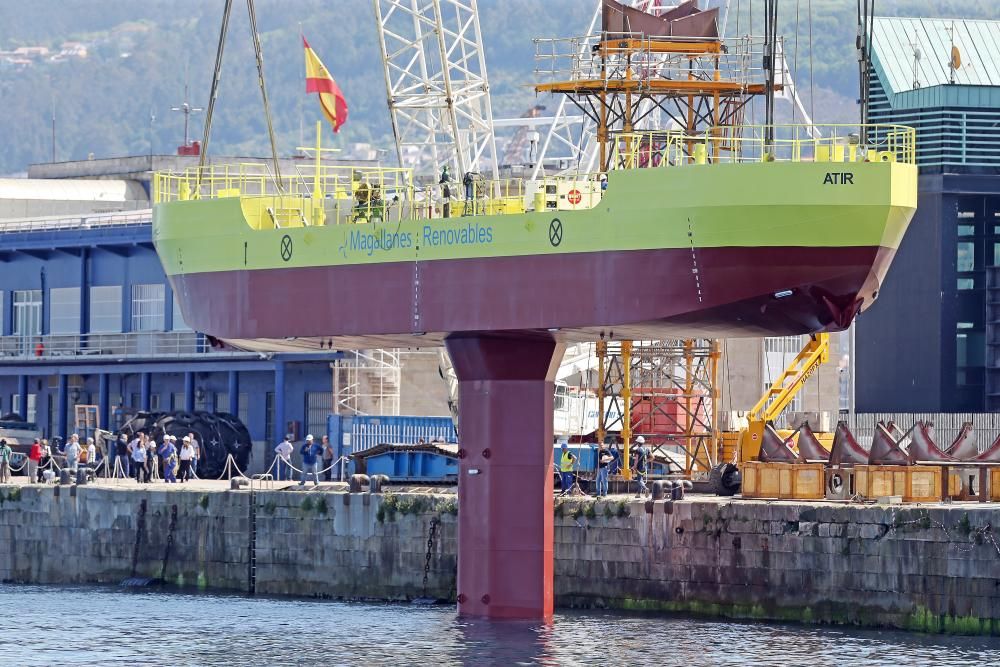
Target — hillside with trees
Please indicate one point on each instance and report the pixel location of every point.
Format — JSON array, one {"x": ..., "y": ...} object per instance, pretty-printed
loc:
[{"x": 140, "y": 55}]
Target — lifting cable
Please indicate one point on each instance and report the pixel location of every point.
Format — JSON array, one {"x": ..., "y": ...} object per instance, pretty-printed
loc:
[
  {"x": 214, "y": 94},
  {"x": 263, "y": 92},
  {"x": 812, "y": 92}
]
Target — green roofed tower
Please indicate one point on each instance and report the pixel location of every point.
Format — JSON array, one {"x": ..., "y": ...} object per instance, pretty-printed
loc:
[{"x": 925, "y": 346}]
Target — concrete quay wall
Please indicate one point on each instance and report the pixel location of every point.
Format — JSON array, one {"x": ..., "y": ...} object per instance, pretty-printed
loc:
[
  {"x": 926, "y": 568},
  {"x": 929, "y": 568},
  {"x": 306, "y": 544}
]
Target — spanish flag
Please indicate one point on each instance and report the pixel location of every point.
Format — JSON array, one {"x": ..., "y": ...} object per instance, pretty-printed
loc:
[{"x": 318, "y": 80}]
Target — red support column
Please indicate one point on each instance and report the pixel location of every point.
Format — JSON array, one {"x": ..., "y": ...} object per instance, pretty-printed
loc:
[{"x": 505, "y": 473}]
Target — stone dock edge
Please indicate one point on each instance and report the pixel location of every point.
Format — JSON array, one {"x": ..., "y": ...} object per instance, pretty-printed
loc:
[{"x": 927, "y": 568}]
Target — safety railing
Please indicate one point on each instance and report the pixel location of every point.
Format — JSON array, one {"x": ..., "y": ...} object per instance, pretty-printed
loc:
[
  {"x": 136, "y": 218},
  {"x": 119, "y": 345},
  {"x": 604, "y": 57},
  {"x": 761, "y": 143},
  {"x": 256, "y": 180},
  {"x": 339, "y": 194}
]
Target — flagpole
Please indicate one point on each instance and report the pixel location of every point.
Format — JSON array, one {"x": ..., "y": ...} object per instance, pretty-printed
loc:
[{"x": 317, "y": 193}]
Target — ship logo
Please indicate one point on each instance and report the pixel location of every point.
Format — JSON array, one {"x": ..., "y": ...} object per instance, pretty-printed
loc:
[
  {"x": 555, "y": 232},
  {"x": 286, "y": 247}
]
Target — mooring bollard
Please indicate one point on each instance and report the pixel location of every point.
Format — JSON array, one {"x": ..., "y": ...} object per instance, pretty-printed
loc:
[{"x": 358, "y": 483}]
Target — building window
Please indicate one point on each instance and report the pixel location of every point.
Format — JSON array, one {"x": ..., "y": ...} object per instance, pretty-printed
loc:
[
  {"x": 222, "y": 405},
  {"x": 64, "y": 310},
  {"x": 268, "y": 415},
  {"x": 106, "y": 309},
  {"x": 15, "y": 406},
  {"x": 177, "y": 400},
  {"x": 319, "y": 405},
  {"x": 966, "y": 256},
  {"x": 51, "y": 412},
  {"x": 147, "y": 307},
  {"x": 778, "y": 353},
  {"x": 3, "y": 312},
  {"x": 178, "y": 320},
  {"x": 27, "y": 312}
]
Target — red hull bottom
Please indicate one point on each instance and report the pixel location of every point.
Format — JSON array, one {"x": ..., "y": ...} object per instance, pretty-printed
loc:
[{"x": 643, "y": 294}]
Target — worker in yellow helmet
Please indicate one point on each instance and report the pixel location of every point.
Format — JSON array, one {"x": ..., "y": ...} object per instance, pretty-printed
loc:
[{"x": 566, "y": 461}]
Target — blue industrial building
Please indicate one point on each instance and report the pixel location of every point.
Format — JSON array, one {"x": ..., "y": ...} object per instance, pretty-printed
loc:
[
  {"x": 87, "y": 317},
  {"x": 931, "y": 343}
]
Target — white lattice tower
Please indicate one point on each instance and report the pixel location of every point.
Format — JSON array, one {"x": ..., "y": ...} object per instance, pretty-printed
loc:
[{"x": 436, "y": 84}]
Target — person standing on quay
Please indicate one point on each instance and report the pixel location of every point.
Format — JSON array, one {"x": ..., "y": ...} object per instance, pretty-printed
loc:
[
  {"x": 5, "y": 454},
  {"x": 139, "y": 457},
  {"x": 45, "y": 460},
  {"x": 151, "y": 460},
  {"x": 168, "y": 453},
  {"x": 603, "y": 468},
  {"x": 327, "y": 458},
  {"x": 72, "y": 452},
  {"x": 642, "y": 455},
  {"x": 284, "y": 464},
  {"x": 121, "y": 454},
  {"x": 566, "y": 461},
  {"x": 187, "y": 453},
  {"x": 310, "y": 452},
  {"x": 91, "y": 453},
  {"x": 34, "y": 458},
  {"x": 196, "y": 448}
]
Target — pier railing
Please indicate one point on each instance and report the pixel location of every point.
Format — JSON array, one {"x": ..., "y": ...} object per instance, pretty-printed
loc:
[{"x": 77, "y": 347}]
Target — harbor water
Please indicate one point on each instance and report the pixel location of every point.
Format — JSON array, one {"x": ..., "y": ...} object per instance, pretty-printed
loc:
[{"x": 46, "y": 625}]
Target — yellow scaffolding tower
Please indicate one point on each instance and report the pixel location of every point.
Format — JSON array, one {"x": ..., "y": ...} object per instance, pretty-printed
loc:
[{"x": 664, "y": 391}]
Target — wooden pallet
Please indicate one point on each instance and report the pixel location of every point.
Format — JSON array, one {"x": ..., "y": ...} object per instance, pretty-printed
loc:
[{"x": 783, "y": 481}]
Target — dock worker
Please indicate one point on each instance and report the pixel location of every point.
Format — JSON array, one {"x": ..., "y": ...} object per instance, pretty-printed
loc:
[
  {"x": 283, "y": 463},
  {"x": 5, "y": 453},
  {"x": 72, "y": 452},
  {"x": 615, "y": 466},
  {"x": 604, "y": 460},
  {"x": 641, "y": 466},
  {"x": 139, "y": 458},
  {"x": 168, "y": 453},
  {"x": 445, "y": 184},
  {"x": 196, "y": 448},
  {"x": 91, "y": 450},
  {"x": 121, "y": 453},
  {"x": 185, "y": 456},
  {"x": 310, "y": 451},
  {"x": 34, "y": 458},
  {"x": 327, "y": 458},
  {"x": 566, "y": 461}
]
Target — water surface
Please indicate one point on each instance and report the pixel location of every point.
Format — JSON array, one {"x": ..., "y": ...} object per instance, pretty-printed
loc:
[{"x": 46, "y": 625}]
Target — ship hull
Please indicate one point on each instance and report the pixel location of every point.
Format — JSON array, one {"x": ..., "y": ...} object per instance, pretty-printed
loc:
[
  {"x": 643, "y": 294},
  {"x": 715, "y": 251}
]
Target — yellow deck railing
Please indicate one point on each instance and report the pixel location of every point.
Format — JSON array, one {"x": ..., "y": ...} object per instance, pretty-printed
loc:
[
  {"x": 751, "y": 143},
  {"x": 338, "y": 194}
]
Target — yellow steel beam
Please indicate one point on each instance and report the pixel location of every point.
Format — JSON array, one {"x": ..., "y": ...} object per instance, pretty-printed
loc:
[
  {"x": 660, "y": 86},
  {"x": 626, "y": 407},
  {"x": 613, "y": 47}
]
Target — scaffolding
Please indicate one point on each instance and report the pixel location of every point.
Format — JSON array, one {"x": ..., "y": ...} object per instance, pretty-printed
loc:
[
  {"x": 666, "y": 392},
  {"x": 367, "y": 382},
  {"x": 436, "y": 83}
]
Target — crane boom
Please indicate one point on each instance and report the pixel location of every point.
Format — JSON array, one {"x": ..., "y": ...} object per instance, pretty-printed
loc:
[{"x": 814, "y": 354}]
